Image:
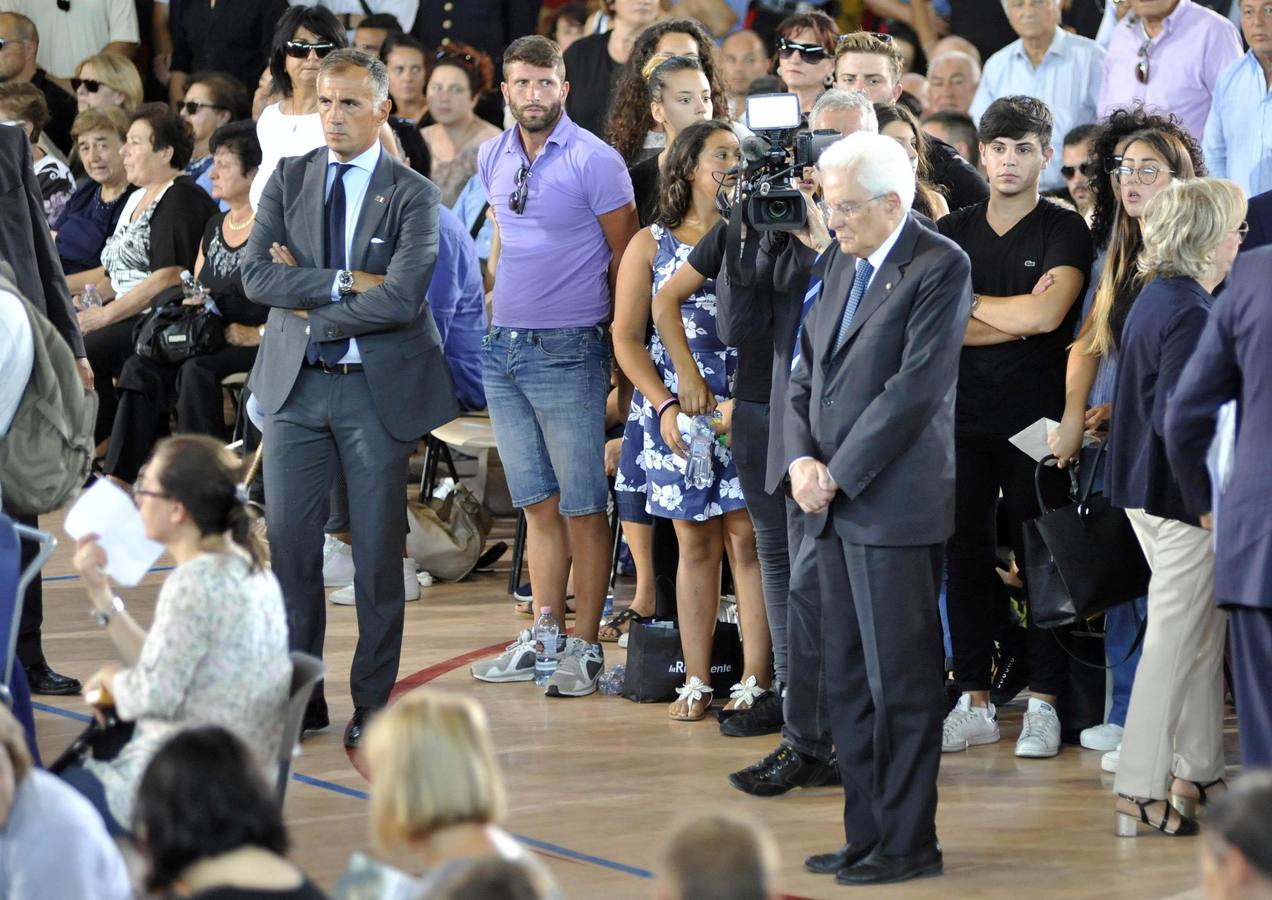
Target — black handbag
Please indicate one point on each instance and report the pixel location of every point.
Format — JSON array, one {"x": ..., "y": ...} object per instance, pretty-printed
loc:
[
  {"x": 174, "y": 332},
  {"x": 656, "y": 667},
  {"x": 1080, "y": 559}
]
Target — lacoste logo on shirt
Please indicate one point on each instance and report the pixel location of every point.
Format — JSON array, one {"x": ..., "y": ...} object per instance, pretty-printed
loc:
[{"x": 1029, "y": 264}]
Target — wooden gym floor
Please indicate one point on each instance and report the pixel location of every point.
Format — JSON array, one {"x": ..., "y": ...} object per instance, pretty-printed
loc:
[{"x": 595, "y": 784}]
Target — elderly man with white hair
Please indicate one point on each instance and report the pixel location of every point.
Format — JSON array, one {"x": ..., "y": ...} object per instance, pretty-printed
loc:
[
  {"x": 1062, "y": 70},
  {"x": 869, "y": 435}
]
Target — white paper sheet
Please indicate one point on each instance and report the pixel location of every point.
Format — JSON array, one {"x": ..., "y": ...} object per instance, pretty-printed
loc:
[
  {"x": 108, "y": 512},
  {"x": 1032, "y": 440}
]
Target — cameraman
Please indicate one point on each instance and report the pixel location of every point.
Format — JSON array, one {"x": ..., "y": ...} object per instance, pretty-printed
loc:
[{"x": 761, "y": 320}]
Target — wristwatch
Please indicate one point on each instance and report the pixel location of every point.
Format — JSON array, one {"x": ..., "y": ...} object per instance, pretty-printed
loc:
[
  {"x": 344, "y": 281},
  {"x": 261, "y": 331},
  {"x": 103, "y": 618},
  {"x": 975, "y": 303}
]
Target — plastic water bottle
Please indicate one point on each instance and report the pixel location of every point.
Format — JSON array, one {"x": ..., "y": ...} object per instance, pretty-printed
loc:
[
  {"x": 609, "y": 605},
  {"x": 698, "y": 470},
  {"x": 546, "y": 635},
  {"x": 90, "y": 299}
]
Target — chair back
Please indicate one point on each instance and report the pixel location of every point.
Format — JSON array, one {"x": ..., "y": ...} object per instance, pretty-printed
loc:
[
  {"x": 307, "y": 671},
  {"x": 13, "y": 584}
]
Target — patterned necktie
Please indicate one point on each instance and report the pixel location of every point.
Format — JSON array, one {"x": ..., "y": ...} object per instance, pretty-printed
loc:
[
  {"x": 814, "y": 288},
  {"x": 331, "y": 352},
  {"x": 859, "y": 284}
]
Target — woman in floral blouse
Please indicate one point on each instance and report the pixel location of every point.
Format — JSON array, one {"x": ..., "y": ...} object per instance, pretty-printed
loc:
[{"x": 217, "y": 651}]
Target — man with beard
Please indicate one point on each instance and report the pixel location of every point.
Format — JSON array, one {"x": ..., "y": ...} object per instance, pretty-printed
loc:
[{"x": 564, "y": 210}]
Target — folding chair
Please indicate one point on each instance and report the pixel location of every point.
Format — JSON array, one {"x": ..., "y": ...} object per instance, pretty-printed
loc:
[{"x": 307, "y": 671}]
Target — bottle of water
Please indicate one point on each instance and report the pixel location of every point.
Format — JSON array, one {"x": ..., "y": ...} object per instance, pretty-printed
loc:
[
  {"x": 698, "y": 470},
  {"x": 546, "y": 635},
  {"x": 609, "y": 605},
  {"x": 191, "y": 287},
  {"x": 90, "y": 299}
]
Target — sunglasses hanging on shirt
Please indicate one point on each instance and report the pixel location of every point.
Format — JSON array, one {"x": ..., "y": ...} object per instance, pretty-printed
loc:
[
  {"x": 1141, "y": 67},
  {"x": 517, "y": 199}
]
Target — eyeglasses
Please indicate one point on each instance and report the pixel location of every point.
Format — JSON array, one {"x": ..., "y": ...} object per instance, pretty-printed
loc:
[
  {"x": 813, "y": 53},
  {"x": 846, "y": 210},
  {"x": 1087, "y": 169},
  {"x": 1141, "y": 67},
  {"x": 192, "y": 107},
  {"x": 89, "y": 84},
  {"x": 1147, "y": 174},
  {"x": 300, "y": 49},
  {"x": 138, "y": 493},
  {"x": 1243, "y": 232},
  {"x": 517, "y": 199}
]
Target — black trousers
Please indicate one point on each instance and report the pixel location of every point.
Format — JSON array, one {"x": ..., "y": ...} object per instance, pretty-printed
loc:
[
  {"x": 1250, "y": 631},
  {"x": 107, "y": 350},
  {"x": 986, "y": 466},
  {"x": 806, "y": 720},
  {"x": 882, "y": 660},
  {"x": 149, "y": 391}
]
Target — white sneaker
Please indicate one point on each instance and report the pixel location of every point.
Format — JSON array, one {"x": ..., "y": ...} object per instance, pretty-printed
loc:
[
  {"x": 1039, "y": 731},
  {"x": 337, "y": 562},
  {"x": 969, "y": 726},
  {"x": 577, "y": 671},
  {"x": 1101, "y": 737},
  {"x": 410, "y": 584},
  {"x": 516, "y": 663},
  {"x": 1108, "y": 762}
]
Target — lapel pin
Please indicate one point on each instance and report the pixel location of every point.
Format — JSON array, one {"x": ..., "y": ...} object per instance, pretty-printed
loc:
[
  {"x": 888, "y": 286},
  {"x": 379, "y": 198}
]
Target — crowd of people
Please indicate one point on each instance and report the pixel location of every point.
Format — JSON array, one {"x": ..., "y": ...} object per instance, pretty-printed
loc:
[{"x": 394, "y": 212}]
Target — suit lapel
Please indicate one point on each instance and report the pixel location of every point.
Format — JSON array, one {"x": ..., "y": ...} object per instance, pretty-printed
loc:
[
  {"x": 882, "y": 285},
  {"x": 314, "y": 197},
  {"x": 374, "y": 207}
]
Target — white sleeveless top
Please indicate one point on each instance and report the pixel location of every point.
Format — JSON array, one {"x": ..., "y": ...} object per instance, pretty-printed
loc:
[{"x": 282, "y": 136}]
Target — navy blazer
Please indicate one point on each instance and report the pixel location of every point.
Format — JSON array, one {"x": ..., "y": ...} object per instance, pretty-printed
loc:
[
  {"x": 1259, "y": 215},
  {"x": 1160, "y": 333},
  {"x": 1233, "y": 361}
]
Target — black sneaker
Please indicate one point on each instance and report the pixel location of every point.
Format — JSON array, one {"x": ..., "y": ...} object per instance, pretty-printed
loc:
[
  {"x": 764, "y": 717},
  {"x": 781, "y": 770}
]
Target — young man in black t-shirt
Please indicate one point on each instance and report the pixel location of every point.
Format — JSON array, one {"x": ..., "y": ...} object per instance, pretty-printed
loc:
[{"x": 1030, "y": 262}]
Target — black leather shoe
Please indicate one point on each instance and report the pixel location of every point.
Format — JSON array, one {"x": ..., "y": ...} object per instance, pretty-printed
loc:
[
  {"x": 781, "y": 770},
  {"x": 765, "y": 717},
  {"x": 362, "y": 716},
  {"x": 879, "y": 869},
  {"x": 316, "y": 718},
  {"x": 43, "y": 680},
  {"x": 830, "y": 863}
]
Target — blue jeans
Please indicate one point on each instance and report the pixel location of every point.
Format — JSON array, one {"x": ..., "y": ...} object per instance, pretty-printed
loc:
[{"x": 546, "y": 389}]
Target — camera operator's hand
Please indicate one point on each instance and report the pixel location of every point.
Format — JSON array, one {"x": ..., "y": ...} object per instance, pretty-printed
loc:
[
  {"x": 695, "y": 396},
  {"x": 814, "y": 235}
]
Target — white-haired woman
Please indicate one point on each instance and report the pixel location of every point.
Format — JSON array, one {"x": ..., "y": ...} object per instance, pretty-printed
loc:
[{"x": 1172, "y": 749}]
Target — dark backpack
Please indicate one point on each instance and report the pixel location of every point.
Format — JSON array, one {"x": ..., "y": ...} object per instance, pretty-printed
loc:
[{"x": 47, "y": 453}]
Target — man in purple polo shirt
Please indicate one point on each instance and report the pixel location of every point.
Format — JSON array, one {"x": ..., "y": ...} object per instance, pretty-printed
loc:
[{"x": 564, "y": 208}]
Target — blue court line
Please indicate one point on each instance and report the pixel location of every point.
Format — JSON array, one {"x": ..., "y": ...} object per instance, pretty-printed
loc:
[
  {"x": 73, "y": 577},
  {"x": 533, "y": 843}
]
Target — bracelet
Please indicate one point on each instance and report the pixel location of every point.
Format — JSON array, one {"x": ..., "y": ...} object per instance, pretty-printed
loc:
[
  {"x": 103, "y": 618},
  {"x": 666, "y": 405}
]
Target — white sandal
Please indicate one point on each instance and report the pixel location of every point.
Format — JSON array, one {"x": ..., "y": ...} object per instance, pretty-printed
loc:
[{"x": 694, "y": 691}]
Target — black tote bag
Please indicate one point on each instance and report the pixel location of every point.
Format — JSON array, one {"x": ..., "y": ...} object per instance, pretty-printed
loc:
[{"x": 656, "y": 667}]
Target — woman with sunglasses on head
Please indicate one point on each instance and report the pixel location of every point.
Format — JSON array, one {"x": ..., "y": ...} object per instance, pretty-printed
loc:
[
  {"x": 458, "y": 77},
  {"x": 107, "y": 79},
  {"x": 806, "y": 55},
  {"x": 631, "y": 128},
  {"x": 212, "y": 99},
  {"x": 216, "y": 652},
  {"x": 594, "y": 64}
]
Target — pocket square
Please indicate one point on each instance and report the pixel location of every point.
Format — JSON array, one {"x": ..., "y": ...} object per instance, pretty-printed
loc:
[{"x": 376, "y": 240}]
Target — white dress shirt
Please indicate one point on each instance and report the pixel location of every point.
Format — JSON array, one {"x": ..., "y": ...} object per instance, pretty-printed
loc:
[
  {"x": 356, "y": 182},
  {"x": 16, "y": 356},
  {"x": 1238, "y": 141}
]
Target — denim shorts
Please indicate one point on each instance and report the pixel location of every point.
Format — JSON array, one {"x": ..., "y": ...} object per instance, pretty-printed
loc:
[{"x": 546, "y": 390}]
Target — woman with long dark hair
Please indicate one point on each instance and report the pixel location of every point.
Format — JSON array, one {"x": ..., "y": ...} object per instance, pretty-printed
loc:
[
  {"x": 710, "y": 521},
  {"x": 216, "y": 652},
  {"x": 898, "y": 123},
  {"x": 593, "y": 63}
]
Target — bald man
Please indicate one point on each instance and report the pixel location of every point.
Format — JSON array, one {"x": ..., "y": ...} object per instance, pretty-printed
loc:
[
  {"x": 952, "y": 81},
  {"x": 745, "y": 59}
]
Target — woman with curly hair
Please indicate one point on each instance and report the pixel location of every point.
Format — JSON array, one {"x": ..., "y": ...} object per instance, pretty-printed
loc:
[
  {"x": 679, "y": 95},
  {"x": 593, "y": 63},
  {"x": 806, "y": 55},
  {"x": 710, "y": 521},
  {"x": 899, "y": 123},
  {"x": 631, "y": 127},
  {"x": 458, "y": 77}
]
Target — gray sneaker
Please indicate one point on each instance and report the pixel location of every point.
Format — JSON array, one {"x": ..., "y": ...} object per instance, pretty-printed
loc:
[
  {"x": 577, "y": 670},
  {"x": 516, "y": 663}
]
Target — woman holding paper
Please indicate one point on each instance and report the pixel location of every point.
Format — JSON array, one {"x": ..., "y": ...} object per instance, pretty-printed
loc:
[{"x": 217, "y": 652}]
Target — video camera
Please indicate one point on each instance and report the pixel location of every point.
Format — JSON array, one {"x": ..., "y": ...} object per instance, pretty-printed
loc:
[{"x": 777, "y": 151}]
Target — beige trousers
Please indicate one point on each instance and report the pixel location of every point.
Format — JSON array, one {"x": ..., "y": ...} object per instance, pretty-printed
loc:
[{"x": 1175, "y": 723}]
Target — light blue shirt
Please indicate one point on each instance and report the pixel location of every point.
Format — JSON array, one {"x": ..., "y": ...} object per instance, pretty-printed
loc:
[
  {"x": 1068, "y": 81},
  {"x": 356, "y": 182},
  {"x": 1239, "y": 127}
]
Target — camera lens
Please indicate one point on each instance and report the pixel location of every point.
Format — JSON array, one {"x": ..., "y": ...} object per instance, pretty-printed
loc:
[{"x": 778, "y": 210}]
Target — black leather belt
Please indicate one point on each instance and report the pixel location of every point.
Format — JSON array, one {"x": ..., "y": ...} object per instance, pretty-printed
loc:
[{"x": 341, "y": 369}]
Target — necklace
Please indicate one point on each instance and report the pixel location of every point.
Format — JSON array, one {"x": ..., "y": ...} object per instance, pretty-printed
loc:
[{"x": 230, "y": 222}]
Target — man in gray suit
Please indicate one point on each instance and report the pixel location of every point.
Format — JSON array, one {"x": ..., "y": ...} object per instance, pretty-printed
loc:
[
  {"x": 351, "y": 372},
  {"x": 870, "y": 439}
]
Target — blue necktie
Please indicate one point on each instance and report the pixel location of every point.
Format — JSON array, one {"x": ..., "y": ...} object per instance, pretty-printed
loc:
[
  {"x": 331, "y": 352},
  {"x": 814, "y": 288},
  {"x": 859, "y": 284}
]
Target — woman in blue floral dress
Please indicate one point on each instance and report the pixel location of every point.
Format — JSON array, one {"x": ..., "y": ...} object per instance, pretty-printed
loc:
[{"x": 711, "y": 520}]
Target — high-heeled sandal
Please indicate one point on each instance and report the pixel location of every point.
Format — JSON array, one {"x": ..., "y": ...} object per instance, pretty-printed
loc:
[
  {"x": 695, "y": 690},
  {"x": 1187, "y": 806},
  {"x": 1126, "y": 825}
]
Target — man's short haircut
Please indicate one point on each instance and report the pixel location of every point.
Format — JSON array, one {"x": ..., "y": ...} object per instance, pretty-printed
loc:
[
  {"x": 838, "y": 99},
  {"x": 960, "y": 127},
  {"x": 384, "y": 21},
  {"x": 1239, "y": 819},
  {"x": 957, "y": 55},
  {"x": 100, "y": 118},
  {"x": 23, "y": 28},
  {"x": 534, "y": 50},
  {"x": 403, "y": 39},
  {"x": 348, "y": 58},
  {"x": 865, "y": 42},
  {"x": 1014, "y": 118},
  {"x": 876, "y": 161},
  {"x": 23, "y": 100},
  {"x": 1081, "y": 134},
  {"x": 738, "y": 861}
]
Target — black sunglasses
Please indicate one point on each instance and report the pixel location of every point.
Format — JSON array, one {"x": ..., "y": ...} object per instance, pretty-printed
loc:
[
  {"x": 877, "y": 35},
  {"x": 64, "y": 5},
  {"x": 300, "y": 49},
  {"x": 1087, "y": 169},
  {"x": 89, "y": 84},
  {"x": 192, "y": 107},
  {"x": 517, "y": 199},
  {"x": 813, "y": 53},
  {"x": 1141, "y": 67}
]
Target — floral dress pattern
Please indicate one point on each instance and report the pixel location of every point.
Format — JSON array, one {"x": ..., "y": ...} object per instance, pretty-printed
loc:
[{"x": 646, "y": 463}]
